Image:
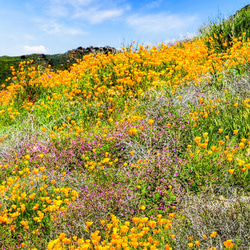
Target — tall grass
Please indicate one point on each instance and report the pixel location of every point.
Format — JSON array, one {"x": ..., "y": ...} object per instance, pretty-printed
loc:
[{"x": 219, "y": 34}]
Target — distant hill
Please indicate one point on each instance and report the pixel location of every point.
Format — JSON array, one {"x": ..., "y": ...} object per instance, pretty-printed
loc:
[{"x": 57, "y": 61}]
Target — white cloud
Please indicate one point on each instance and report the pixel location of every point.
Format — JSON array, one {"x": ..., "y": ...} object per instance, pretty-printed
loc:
[
  {"x": 35, "y": 49},
  {"x": 74, "y": 32},
  {"x": 153, "y": 4},
  {"x": 75, "y": 3},
  {"x": 94, "y": 11},
  {"x": 64, "y": 8},
  {"x": 80, "y": 2},
  {"x": 97, "y": 16},
  {"x": 53, "y": 28},
  {"x": 29, "y": 37},
  {"x": 158, "y": 23},
  {"x": 58, "y": 11},
  {"x": 50, "y": 28}
]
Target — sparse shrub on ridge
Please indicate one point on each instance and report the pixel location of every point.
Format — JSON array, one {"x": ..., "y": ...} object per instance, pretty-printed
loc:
[{"x": 219, "y": 34}]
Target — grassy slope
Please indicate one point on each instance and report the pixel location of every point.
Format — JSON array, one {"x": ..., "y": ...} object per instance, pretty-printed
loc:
[{"x": 57, "y": 62}]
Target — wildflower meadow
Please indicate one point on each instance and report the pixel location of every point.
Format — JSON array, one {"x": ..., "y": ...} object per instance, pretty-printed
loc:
[{"x": 144, "y": 149}]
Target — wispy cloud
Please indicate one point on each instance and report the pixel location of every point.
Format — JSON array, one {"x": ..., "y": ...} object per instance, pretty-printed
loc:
[
  {"x": 78, "y": 3},
  {"x": 64, "y": 8},
  {"x": 57, "y": 10},
  {"x": 72, "y": 2},
  {"x": 51, "y": 28},
  {"x": 94, "y": 15},
  {"x": 74, "y": 32},
  {"x": 54, "y": 28},
  {"x": 93, "y": 11},
  {"x": 29, "y": 37},
  {"x": 158, "y": 23},
  {"x": 153, "y": 4},
  {"x": 35, "y": 49}
]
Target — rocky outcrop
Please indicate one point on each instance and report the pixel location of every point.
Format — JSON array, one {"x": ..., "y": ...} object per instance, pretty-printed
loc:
[
  {"x": 80, "y": 51},
  {"x": 104, "y": 50}
]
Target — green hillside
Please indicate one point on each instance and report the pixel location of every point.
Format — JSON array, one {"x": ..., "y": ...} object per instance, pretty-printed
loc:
[{"x": 145, "y": 149}]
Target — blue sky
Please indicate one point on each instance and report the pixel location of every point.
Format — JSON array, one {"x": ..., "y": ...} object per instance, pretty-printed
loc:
[{"x": 56, "y": 26}]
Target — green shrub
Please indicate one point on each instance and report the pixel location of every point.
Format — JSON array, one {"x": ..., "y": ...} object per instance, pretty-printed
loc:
[{"x": 219, "y": 35}]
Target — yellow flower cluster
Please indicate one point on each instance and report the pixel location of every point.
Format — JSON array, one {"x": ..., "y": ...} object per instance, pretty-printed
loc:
[
  {"x": 99, "y": 79},
  {"x": 142, "y": 233},
  {"x": 223, "y": 150},
  {"x": 29, "y": 199}
]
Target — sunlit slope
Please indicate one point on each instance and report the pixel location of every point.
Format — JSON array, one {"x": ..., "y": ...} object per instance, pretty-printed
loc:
[{"x": 96, "y": 79}]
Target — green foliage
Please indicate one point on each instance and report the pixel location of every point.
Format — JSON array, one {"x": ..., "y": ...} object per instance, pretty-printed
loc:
[
  {"x": 219, "y": 34},
  {"x": 57, "y": 62},
  {"x": 5, "y": 63}
]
